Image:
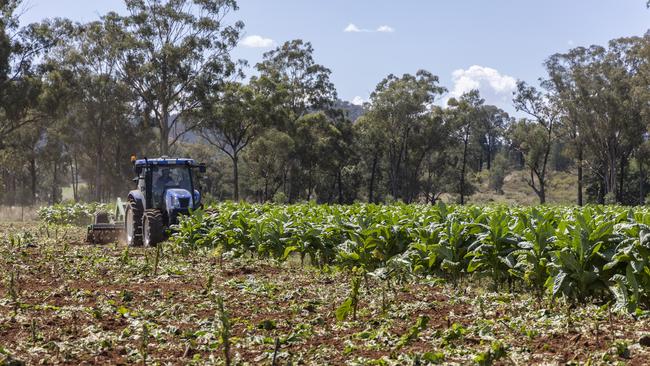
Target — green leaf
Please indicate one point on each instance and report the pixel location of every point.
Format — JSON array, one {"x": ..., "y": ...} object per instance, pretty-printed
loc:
[
  {"x": 558, "y": 283},
  {"x": 344, "y": 310},
  {"x": 474, "y": 265},
  {"x": 289, "y": 250}
]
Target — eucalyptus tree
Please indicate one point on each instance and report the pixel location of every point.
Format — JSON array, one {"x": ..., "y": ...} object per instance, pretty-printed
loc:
[
  {"x": 325, "y": 147},
  {"x": 611, "y": 111},
  {"x": 400, "y": 106},
  {"x": 20, "y": 48},
  {"x": 169, "y": 50},
  {"x": 294, "y": 86},
  {"x": 563, "y": 70},
  {"x": 229, "y": 120},
  {"x": 466, "y": 115},
  {"x": 22, "y": 87},
  {"x": 369, "y": 138},
  {"x": 494, "y": 123},
  {"x": 437, "y": 174},
  {"x": 97, "y": 126},
  {"x": 533, "y": 137},
  {"x": 268, "y": 160}
]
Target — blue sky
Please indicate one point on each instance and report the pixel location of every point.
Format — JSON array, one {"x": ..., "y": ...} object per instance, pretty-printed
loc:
[{"x": 487, "y": 44}]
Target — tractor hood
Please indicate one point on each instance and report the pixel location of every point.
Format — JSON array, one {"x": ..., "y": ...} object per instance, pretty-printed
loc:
[{"x": 177, "y": 198}]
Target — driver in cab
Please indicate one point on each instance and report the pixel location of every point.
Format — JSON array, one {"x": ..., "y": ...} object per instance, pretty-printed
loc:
[{"x": 164, "y": 181}]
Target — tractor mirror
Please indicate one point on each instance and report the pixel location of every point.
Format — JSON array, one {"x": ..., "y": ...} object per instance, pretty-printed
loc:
[
  {"x": 138, "y": 170},
  {"x": 202, "y": 168}
]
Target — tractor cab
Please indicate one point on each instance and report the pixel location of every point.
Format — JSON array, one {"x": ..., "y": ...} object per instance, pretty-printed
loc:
[{"x": 166, "y": 188}]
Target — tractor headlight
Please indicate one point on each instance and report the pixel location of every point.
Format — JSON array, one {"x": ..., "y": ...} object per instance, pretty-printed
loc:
[
  {"x": 175, "y": 202},
  {"x": 197, "y": 198}
]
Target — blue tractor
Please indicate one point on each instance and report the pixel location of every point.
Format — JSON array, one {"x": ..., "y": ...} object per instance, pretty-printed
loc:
[{"x": 166, "y": 189}]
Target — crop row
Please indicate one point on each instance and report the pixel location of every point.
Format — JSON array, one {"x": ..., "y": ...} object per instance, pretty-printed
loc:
[
  {"x": 78, "y": 214},
  {"x": 595, "y": 253}
]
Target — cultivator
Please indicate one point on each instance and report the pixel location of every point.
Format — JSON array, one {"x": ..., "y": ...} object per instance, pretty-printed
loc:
[{"x": 105, "y": 229}]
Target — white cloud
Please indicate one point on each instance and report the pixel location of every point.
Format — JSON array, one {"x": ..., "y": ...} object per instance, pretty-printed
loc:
[
  {"x": 351, "y": 28},
  {"x": 256, "y": 41},
  {"x": 570, "y": 43},
  {"x": 358, "y": 100},
  {"x": 386, "y": 29},
  {"x": 481, "y": 77}
]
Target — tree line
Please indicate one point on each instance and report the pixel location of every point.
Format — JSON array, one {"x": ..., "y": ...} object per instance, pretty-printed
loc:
[{"x": 78, "y": 99}]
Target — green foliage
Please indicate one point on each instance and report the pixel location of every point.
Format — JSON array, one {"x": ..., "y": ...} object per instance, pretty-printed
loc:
[
  {"x": 498, "y": 173},
  {"x": 596, "y": 252},
  {"x": 78, "y": 214},
  {"x": 224, "y": 329},
  {"x": 497, "y": 351},
  {"x": 351, "y": 304},
  {"x": 413, "y": 332}
]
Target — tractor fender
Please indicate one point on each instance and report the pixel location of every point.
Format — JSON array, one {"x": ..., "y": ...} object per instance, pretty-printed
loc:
[{"x": 138, "y": 198}]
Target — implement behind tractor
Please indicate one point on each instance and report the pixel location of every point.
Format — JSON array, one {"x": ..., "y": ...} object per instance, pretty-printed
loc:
[
  {"x": 107, "y": 229},
  {"x": 166, "y": 189}
]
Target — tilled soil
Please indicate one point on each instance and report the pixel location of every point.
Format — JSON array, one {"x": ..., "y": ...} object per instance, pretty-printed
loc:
[{"x": 68, "y": 303}]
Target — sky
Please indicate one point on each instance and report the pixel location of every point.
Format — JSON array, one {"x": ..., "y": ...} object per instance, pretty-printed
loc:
[{"x": 470, "y": 44}]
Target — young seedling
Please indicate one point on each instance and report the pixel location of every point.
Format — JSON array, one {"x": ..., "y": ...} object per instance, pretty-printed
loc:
[
  {"x": 224, "y": 330},
  {"x": 11, "y": 287},
  {"x": 143, "y": 344},
  {"x": 275, "y": 352},
  {"x": 208, "y": 285},
  {"x": 413, "y": 333},
  {"x": 33, "y": 331},
  {"x": 351, "y": 304},
  {"x": 159, "y": 249}
]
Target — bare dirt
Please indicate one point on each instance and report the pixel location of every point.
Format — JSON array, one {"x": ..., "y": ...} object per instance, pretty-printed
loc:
[{"x": 108, "y": 305}]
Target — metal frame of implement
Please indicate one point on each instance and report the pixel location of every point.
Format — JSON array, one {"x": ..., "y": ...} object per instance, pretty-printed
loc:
[{"x": 106, "y": 230}]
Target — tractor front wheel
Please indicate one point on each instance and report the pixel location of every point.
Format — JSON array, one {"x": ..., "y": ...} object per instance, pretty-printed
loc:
[
  {"x": 153, "y": 231},
  {"x": 133, "y": 224}
]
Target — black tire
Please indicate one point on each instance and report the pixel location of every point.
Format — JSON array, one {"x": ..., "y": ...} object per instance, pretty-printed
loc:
[
  {"x": 153, "y": 231},
  {"x": 135, "y": 239}
]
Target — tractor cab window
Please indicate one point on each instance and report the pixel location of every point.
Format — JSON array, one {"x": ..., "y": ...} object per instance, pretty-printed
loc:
[{"x": 169, "y": 177}]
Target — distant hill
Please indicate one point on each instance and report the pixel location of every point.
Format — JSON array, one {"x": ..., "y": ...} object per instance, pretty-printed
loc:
[{"x": 352, "y": 111}]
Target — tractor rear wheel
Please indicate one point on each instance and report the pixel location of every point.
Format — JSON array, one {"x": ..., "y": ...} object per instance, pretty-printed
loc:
[
  {"x": 153, "y": 231},
  {"x": 133, "y": 224}
]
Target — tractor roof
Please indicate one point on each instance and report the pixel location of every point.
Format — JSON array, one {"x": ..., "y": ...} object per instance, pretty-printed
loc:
[{"x": 165, "y": 161}]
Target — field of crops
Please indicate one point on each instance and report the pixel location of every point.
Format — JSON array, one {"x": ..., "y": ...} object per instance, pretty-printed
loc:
[
  {"x": 362, "y": 284},
  {"x": 594, "y": 254}
]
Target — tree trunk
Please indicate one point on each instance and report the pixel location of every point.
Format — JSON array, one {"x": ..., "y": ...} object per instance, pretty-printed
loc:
[
  {"x": 75, "y": 178},
  {"x": 14, "y": 189},
  {"x": 462, "y": 170},
  {"x": 610, "y": 173},
  {"x": 32, "y": 173},
  {"x": 266, "y": 189},
  {"x": 580, "y": 159},
  {"x": 235, "y": 174},
  {"x": 373, "y": 174},
  {"x": 98, "y": 175},
  {"x": 489, "y": 154},
  {"x": 642, "y": 179},
  {"x": 164, "y": 133},
  {"x": 54, "y": 198},
  {"x": 340, "y": 184},
  {"x": 621, "y": 181},
  {"x": 309, "y": 184}
]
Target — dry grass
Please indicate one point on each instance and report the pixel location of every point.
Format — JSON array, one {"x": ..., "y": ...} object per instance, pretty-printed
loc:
[
  {"x": 560, "y": 189},
  {"x": 18, "y": 213}
]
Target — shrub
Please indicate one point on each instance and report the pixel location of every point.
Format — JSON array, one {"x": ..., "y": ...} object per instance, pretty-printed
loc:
[{"x": 77, "y": 214}]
